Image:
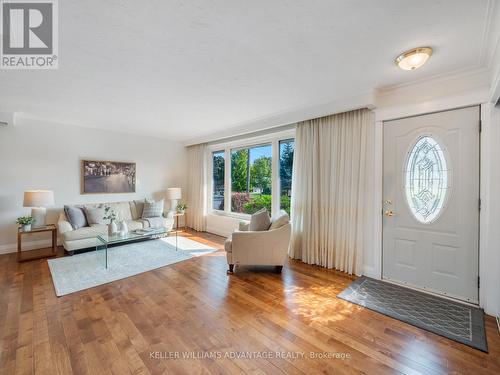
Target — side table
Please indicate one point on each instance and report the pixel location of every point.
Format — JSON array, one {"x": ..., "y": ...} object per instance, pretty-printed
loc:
[
  {"x": 177, "y": 215},
  {"x": 48, "y": 228}
]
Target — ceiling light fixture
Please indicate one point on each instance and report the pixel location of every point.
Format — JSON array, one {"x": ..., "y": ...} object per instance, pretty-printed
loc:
[{"x": 414, "y": 58}]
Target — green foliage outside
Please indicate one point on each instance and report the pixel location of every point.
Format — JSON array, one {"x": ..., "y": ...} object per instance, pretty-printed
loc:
[
  {"x": 285, "y": 203},
  {"x": 286, "y": 165},
  {"x": 251, "y": 184},
  {"x": 218, "y": 171},
  {"x": 257, "y": 202},
  {"x": 239, "y": 168},
  {"x": 260, "y": 174}
]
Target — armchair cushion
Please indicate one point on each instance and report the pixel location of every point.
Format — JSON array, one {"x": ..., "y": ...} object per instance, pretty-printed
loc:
[
  {"x": 278, "y": 221},
  {"x": 260, "y": 221},
  {"x": 243, "y": 226}
]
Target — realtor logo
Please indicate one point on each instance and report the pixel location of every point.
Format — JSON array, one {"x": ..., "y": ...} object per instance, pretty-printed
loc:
[{"x": 29, "y": 34}]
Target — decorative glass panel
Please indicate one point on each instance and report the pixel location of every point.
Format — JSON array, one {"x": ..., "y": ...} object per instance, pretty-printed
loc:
[{"x": 426, "y": 179}]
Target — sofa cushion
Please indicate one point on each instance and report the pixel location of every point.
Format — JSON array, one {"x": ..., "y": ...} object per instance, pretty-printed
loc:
[
  {"x": 95, "y": 215},
  {"x": 85, "y": 232},
  {"x": 76, "y": 216},
  {"x": 153, "y": 209},
  {"x": 138, "y": 208},
  {"x": 281, "y": 219},
  {"x": 260, "y": 221},
  {"x": 121, "y": 209}
]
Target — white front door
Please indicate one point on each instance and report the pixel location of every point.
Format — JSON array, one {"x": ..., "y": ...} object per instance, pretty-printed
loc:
[{"x": 431, "y": 202}]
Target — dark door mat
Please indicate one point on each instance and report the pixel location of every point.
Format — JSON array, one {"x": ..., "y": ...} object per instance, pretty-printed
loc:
[{"x": 453, "y": 320}]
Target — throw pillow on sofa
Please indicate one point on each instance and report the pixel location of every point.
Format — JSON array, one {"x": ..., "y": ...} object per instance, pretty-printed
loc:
[
  {"x": 153, "y": 209},
  {"x": 139, "y": 208},
  {"x": 260, "y": 221},
  {"x": 76, "y": 216},
  {"x": 95, "y": 215}
]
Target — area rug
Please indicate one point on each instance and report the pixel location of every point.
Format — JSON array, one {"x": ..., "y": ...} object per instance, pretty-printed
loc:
[
  {"x": 453, "y": 320},
  {"x": 78, "y": 272}
]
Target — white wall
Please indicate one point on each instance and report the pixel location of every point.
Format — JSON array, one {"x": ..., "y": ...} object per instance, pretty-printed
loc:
[{"x": 38, "y": 155}]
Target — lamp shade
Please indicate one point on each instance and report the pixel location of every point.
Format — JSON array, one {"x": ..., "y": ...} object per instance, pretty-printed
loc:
[
  {"x": 174, "y": 193},
  {"x": 38, "y": 198}
]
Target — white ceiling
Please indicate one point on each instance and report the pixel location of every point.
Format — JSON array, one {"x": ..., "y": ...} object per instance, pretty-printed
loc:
[{"x": 182, "y": 69}]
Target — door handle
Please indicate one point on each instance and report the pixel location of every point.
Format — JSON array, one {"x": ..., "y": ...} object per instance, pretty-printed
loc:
[{"x": 390, "y": 213}]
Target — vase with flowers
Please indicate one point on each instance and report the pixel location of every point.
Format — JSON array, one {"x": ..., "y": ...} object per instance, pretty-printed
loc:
[{"x": 110, "y": 214}]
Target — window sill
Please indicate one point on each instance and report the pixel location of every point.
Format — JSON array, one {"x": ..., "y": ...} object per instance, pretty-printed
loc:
[{"x": 245, "y": 217}]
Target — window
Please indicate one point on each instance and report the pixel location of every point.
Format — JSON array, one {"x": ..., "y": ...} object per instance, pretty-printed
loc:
[
  {"x": 218, "y": 171},
  {"x": 251, "y": 173},
  {"x": 426, "y": 177},
  {"x": 251, "y": 179},
  {"x": 286, "y": 166}
]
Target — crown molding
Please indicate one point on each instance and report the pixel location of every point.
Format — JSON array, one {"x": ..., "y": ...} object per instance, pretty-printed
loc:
[
  {"x": 289, "y": 116},
  {"x": 475, "y": 70}
]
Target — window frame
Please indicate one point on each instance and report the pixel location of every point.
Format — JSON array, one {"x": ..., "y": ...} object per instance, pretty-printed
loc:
[{"x": 248, "y": 142}]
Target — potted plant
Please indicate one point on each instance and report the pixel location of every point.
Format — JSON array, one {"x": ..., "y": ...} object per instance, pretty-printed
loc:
[
  {"x": 26, "y": 222},
  {"x": 110, "y": 214},
  {"x": 182, "y": 207}
]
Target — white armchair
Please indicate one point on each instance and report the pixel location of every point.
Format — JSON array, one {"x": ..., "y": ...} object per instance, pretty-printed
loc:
[{"x": 269, "y": 247}]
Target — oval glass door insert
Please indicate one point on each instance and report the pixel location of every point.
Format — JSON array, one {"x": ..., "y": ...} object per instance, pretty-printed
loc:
[{"x": 426, "y": 180}]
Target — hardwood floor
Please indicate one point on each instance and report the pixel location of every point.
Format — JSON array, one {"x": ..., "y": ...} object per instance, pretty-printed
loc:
[{"x": 138, "y": 325}]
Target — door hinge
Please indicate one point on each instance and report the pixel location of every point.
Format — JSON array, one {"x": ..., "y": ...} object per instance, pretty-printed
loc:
[
  {"x": 479, "y": 204},
  {"x": 478, "y": 282},
  {"x": 480, "y": 126}
]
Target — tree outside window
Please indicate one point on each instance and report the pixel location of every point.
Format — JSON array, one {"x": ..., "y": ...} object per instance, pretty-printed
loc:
[
  {"x": 251, "y": 179},
  {"x": 287, "y": 149},
  {"x": 218, "y": 171}
]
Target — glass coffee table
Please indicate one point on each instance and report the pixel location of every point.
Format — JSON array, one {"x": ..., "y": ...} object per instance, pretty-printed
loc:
[{"x": 104, "y": 240}]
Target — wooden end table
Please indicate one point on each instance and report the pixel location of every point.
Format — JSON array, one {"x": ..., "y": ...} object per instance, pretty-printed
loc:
[{"x": 48, "y": 228}]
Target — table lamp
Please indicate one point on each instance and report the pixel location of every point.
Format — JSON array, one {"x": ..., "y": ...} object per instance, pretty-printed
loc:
[
  {"x": 174, "y": 194},
  {"x": 38, "y": 200}
]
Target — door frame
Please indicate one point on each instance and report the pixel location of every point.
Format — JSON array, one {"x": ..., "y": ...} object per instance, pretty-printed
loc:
[
  {"x": 381, "y": 198},
  {"x": 373, "y": 257}
]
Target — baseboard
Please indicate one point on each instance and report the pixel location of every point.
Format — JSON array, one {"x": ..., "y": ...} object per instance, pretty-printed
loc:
[
  {"x": 27, "y": 245},
  {"x": 498, "y": 324}
]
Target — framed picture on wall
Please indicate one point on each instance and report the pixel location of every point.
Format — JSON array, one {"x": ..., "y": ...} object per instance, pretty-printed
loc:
[{"x": 108, "y": 177}]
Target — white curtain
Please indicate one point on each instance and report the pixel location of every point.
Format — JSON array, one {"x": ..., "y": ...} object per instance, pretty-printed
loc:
[
  {"x": 197, "y": 187},
  {"x": 330, "y": 185}
]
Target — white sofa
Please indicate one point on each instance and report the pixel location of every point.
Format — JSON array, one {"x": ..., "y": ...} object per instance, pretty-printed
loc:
[
  {"x": 259, "y": 248},
  {"x": 86, "y": 237}
]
